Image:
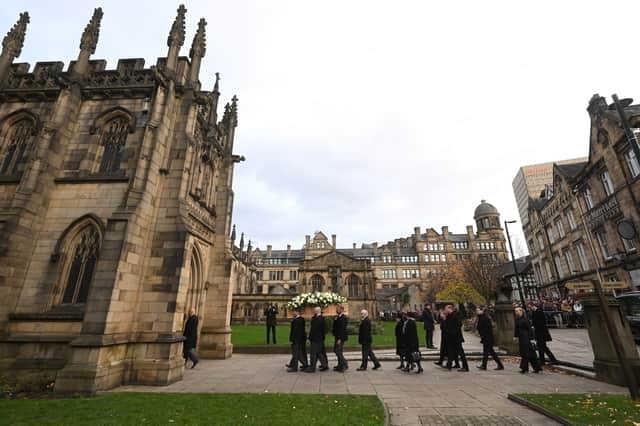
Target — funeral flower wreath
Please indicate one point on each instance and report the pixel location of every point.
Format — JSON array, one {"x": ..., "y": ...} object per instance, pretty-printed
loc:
[{"x": 315, "y": 299}]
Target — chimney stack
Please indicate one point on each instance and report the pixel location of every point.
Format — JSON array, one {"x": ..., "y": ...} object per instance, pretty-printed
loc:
[
  {"x": 307, "y": 243},
  {"x": 269, "y": 250},
  {"x": 417, "y": 233},
  {"x": 354, "y": 246},
  {"x": 445, "y": 233},
  {"x": 333, "y": 241},
  {"x": 288, "y": 250}
]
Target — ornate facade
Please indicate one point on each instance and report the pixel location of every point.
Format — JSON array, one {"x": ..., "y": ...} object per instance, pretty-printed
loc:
[
  {"x": 587, "y": 223},
  {"x": 370, "y": 275},
  {"x": 115, "y": 207}
]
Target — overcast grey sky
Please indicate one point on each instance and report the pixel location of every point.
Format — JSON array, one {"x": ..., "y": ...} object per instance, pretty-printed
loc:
[{"x": 367, "y": 118}]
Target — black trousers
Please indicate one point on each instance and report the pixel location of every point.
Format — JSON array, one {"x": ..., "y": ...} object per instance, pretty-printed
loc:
[
  {"x": 271, "y": 329},
  {"x": 366, "y": 354},
  {"x": 337, "y": 349},
  {"x": 487, "y": 350},
  {"x": 429, "y": 338},
  {"x": 190, "y": 354},
  {"x": 299, "y": 355},
  {"x": 456, "y": 351},
  {"x": 318, "y": 352},
  {"x": 544, "y": 349}
]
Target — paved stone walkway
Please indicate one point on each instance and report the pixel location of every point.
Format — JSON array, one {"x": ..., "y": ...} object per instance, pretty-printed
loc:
[{"x": 435, "y": 397}]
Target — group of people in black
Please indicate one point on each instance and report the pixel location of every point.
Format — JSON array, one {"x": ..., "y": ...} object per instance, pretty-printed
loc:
[
  {"x": 526, "y": 332},
  {"x": 317, "y": 333}
]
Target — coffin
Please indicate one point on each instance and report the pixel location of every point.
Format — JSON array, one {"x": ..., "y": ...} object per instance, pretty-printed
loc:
[{"x": 327, "y": 312}]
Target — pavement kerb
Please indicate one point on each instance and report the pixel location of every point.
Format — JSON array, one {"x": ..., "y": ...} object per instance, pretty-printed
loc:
[
  {"x": 538, "y": 408},
  {"x": 387, "y": 414}
]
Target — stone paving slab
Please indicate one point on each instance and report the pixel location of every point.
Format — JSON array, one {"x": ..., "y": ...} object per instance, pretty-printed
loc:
[{"x": 437, "y": 396}]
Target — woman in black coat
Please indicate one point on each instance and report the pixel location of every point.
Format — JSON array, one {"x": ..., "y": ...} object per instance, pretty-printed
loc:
[
  {"x": 400, "y": 345},
  {"x": 410, "y": 336},
  {"x": 524, "y": 336}
]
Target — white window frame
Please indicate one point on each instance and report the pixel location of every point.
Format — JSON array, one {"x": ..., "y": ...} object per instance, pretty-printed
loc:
[
  {"x": 632, "y": 163},
  {"x": 607, "y": 183},
  {"x": 571, "y": 219}
]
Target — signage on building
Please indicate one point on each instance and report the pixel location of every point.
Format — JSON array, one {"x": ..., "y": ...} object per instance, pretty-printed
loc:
[
  {"x": 588, "y": 285},
  {"x": 603, "y": 212}
]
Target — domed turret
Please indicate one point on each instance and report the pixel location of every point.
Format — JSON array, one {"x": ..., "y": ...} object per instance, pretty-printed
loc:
[{"x": 487, "y": 217}]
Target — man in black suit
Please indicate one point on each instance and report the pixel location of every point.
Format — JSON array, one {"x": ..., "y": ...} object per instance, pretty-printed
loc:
[
  {"x": 485, "y": 329},
  {"x": 365, "y": 339},
  {"x": 429, "y": 325},
  {"x": 453, "y": 331},
  {"x": 340, "y": 335},
  {"x": 190, "y": 338},
  {"x": 298, "y": 338},
  {"x": 270, "y": 313},
  {"x": 316, "y": 338},
  {"x": 542, "y": 334}
]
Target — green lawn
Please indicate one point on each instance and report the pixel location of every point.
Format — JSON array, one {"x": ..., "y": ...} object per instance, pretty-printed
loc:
[
  {"x": 583, "y": 409},
  {"x": 257, "y": 335},
  {"x": 192, "y": 408}
]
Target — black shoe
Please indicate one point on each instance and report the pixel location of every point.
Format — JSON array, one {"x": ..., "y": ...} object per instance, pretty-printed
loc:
[
  {"x": 463, "y": 370},
  {"x": 481, "y": 367},
  {"x": 420, "y": 370},
  {"x": 361, "y": 369},
  {"x": 291, "y": 370},
  {"x": 524, "y": 371},
  {"x": 500, "y": 367},
  {"x": 400, "y": 367},
  {"x": 323, "y": 368},
  {"x": 194, "y": 365},
  {"x": 336, "y": 368},
  {"x": 309, "y": 370},
  {"x": 456, "y": 366},
  {"x": 406, "y": 369},
  {"x": 537, "y": 371},
  {"x": 375, "y": 367},
  {"x": 339, "y": 370},
  {"x": 438, "y": 363}
]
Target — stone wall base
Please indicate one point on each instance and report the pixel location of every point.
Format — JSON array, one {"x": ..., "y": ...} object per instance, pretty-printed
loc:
[
  {"x": 215, "y": 343},
  {"x": 611, "y": 372}
]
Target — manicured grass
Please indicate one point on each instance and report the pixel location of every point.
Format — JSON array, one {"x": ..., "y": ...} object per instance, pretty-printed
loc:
[
  {"x": 589, "y": 409},
  {"x": 192, "y": 408},
  {"x": 257, "y": 335}
]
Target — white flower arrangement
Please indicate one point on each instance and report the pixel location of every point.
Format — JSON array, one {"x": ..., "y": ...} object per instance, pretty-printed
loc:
[{"x": 315, "y": 299}]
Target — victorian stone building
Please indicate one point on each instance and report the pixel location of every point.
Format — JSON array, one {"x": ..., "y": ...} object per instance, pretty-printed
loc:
[
  {"x": 115, "y": 210},
  {"x": 589, "y": 220},
  {"x": 371, "y": 276}
]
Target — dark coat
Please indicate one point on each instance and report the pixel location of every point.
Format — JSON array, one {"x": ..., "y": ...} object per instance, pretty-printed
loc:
[
  {"x": 364, "y": 332},
  {"x": 271, "y": 313},
  {"x": 485, "y": 329},
  {"x": 523, "y": 333},
  {"x": 427, "y": 318},
  {"x": 410, "y": 335},
  {"x": 297, "y": 334},
  {"x": 540, "y": 326},
  {"x": 340, "y": 328},
  {"x": 453, "y": 329},
  {"x": 318, "y": 329},
  {"x": 190, "y": 333},
  {"x": 400, "y": 341},
  {"x": 443, "y": 334}
]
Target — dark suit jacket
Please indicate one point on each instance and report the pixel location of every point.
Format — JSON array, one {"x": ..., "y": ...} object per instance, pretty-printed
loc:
[
  {"x": 190, "y": 333},
  {"x": 485, "y": 329},
  {"x": 540, "y": 325},
  {"x": 317, "y": 332},
  {"x": 271, "y": 313},
  {"x": 297, "y": 334},
  {"x": 427, "y": 318},
  {"x": 453, "y": 329},
  {"x": 364, "y": 332},
  {"x": 523, "y": 333},
  {"x": 410, "y": 335},
  {"x": 340, "y": 327}
]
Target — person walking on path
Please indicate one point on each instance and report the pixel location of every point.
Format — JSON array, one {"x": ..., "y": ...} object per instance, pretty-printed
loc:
[
  {"x": 443, "y": 342},
  {"x": 298, "y": 339},
  {"x": 523, "y": 334},
  {"x": 271, "y": 313},
  {"x": 429, "y": 325},
  {"x": 340, "y": 335},
  {"x": 190, "y": 339},
  {"x": 365, "y": 339},
  {"x": 453, "y": 330},
  {"x": 412, "y": 348},
  {"x": 400, "y": 343},
  {"x": 485, "y": 329},
  {"x": 542, "y": 334},
  {"x": 316, "y": 339}
]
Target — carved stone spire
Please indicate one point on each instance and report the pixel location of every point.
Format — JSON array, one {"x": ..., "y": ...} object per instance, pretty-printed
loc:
[
  {"x": 88, "y": 42},
  {"x": 89, "y": 39},
  {"x": 241, "y": 241},
  {"x": 176, "y": 38},
  {"x": 233, "y": 235},
  {"x": 215, "y": 97},
  {"x": 12, "y": 45},
  {"x": 198, "y": 49}
]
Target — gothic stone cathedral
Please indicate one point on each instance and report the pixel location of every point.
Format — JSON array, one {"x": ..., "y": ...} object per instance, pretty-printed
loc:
[{"x": 115, "y": 207}]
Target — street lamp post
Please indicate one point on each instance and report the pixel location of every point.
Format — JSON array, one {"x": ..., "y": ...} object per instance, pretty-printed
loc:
[{"x": 513, "y": 260}]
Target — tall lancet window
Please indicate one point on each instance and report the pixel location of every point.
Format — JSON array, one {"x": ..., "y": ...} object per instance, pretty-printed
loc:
[
  {"x": 114, "y": 137},
  {"x": 14, "y": 149},
  {"x": 81, "y": 265}
]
